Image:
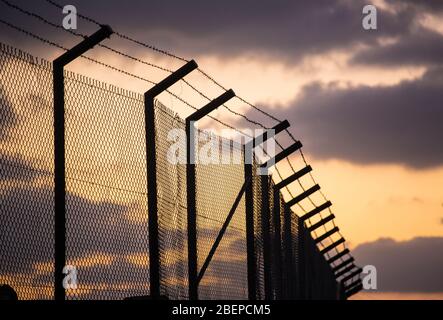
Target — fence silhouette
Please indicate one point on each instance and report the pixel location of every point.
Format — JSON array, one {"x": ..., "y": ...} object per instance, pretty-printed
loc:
[{"x": 108, "y": 232}]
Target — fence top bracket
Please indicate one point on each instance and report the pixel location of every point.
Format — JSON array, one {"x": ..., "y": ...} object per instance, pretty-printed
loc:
[
  {"x": 171, "y": 79},
  {"x": 338, "y": 256},
  {"x": 283, "y": 154},
  {"x": 212, "y": 105},
  {"x": 279, "y": 127},
  {"x": 343, "y": 264},
  {"x": 293, "y": 177},
  {"x": 88, "y": 43},
  {"x": 303, "y": 195}
]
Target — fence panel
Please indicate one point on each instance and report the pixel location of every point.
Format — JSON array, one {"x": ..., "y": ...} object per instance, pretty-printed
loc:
[
  {"x": 27, "y": 175},
  {"x": 171, "y": 189},
  {"x": 107, "y": 236},
  {"x": 217, "y": 187},
  {"x": 258, "y": 237},
  {"x": 106, "y": 202}
]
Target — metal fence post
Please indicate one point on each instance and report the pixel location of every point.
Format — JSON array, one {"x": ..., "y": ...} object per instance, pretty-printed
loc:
[
  {"x": 291, "y": 275},
  {"x": 250, "y": 245},
  {"x": 266, "y": 230},
  {"x": 151, "y": 169},
  {"x": 277, "y": 253},
  {"x": 59, "y": 153},
  {"x": 151, "y": 172},
  {"x": 248, "y": 152},
  {"x": 59, "y": 183},
  {"x": 191, "y": 189},
  {"x": 191, "y": 218},
  {"x": 288, "y": 268}
]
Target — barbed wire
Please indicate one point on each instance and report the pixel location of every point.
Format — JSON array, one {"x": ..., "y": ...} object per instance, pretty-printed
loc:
[
  {"x": 118, "y": 52},
  {"x": 205, "y": 74},
  {"x": 40, "y": 18},
  {"x": 122, "y": 35},
  {"x": 33, "y": 35},
  {"x": 170, "y": 71},
  {"x": 140, "y": 78}
]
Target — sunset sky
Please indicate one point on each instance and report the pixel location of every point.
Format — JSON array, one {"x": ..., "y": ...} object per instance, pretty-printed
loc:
[{"x": 367, "y": 105}]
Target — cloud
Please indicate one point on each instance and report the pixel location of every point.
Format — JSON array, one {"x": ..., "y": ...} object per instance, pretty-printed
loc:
[
  {"x": 399, "y": 124},
  {"x": 15, "y": 168},
  {"x": 422, "y": 5},
  {"x": 415, "y": 265},
  {"x": 285, "y": 29},
  {"x": 101, "y": 239},
  {"x": 27, "y": 227},
  {"x": 421, "y": 47}
]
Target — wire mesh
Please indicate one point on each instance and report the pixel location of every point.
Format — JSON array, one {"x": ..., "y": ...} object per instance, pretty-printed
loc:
[
  {"x": 217, "y": 186},
  {"x": 258, "y": 235},
  {"x": 27, "y": 205},
  {"x": 171, "y": 189},
  {"x": 163, "y": 52},
  {"x": 107, "y": 236},
  {"x": 317, "y": 280},
  {"x": 106, "y": 202}
]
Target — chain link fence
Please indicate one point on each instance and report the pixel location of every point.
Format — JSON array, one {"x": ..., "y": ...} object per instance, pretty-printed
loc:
[
  {"x": 27, "y": 187},
  {"x": 107, "y": 236}
]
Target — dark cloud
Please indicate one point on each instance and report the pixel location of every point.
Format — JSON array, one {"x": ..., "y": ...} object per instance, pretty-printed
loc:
[
  {"x": 27, "y": 228},
  {"x": 238, "y": 245},
  {"x": 421, "y": 47},
  {"x": 409, "y": 266},
  {"x": 421, "y": 6},
  {"x": 415, "y": 46},
  {"x": 94, "y": 229},
  {"x": 229, "y": 278},
  {"x": 286, "y": 29},
  {"x": 383, "y": 124},
  {"x": 223, "y": 279},
  {"x": 15, "y": 168}
]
